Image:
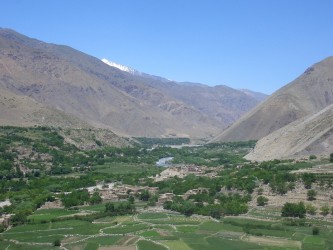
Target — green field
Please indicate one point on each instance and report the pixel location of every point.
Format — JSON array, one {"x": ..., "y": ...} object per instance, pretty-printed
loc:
[
  {"x": 151, "y": 230},
  {"x": 148, "y": 245},
  {"x": 123, "y": 168}
]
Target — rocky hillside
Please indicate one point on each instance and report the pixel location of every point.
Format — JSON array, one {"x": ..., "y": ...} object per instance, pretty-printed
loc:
[
  {"x": 312, "y": 134},
  {"x": 308, "y": 94},
  {"x": 222, "y": 103},
  {"x": 20, "y": 110},
  {"x": 84, "y": 91}
]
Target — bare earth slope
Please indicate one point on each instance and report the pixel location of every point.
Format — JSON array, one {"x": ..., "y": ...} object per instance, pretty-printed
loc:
[
  {"x": 309, "y": 93},
  {"x": 81, "y": 86},
  {"x": 309, "y": 135},
  {"x": 221, "y": 102},
  {"x": 25, "y": 111}
]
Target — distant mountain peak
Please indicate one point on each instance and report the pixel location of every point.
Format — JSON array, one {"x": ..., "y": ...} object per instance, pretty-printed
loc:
[
  {"x": 133, "y": 71},
  {"x": 121, "y": 67}
]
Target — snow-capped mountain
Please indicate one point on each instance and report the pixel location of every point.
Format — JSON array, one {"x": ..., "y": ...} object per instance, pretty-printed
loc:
[
  {"x": 121, "y": 67},
  {"x": 133, "y": 71}
]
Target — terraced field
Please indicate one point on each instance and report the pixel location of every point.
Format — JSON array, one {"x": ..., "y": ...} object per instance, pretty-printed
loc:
[{"x": 159, "y": 230}]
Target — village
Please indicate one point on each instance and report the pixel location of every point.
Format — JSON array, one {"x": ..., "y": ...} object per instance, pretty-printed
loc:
[{"x": 117, "y": 191}]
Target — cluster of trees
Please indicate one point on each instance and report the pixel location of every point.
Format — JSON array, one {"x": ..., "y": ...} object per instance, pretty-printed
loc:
[
  {"x": 28, "y": 194},
  {"x": 293, "y": 210},
  {"x": 119, "y": 208},
  {"x": 80, "y": 197},
  {"x": 149, "y": 142},
  {"x": 24, "y": 203},
  {"x": 300, "y": 210},
  {"x": 145, "y": 195},
  {"x": 227, "y": 205}
]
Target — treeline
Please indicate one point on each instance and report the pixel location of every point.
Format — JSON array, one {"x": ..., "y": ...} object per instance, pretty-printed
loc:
[
  {"x": 223, "y": 205},
  {"x": 149, "y": 142},
  {"x": 80, "y": 197}
]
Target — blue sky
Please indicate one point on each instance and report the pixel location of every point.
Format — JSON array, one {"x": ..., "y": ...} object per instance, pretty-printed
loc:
[{"x": 255, "y": 44}]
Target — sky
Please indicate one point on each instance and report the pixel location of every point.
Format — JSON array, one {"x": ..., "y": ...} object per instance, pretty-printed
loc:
[{"x": 259, "y": 45}]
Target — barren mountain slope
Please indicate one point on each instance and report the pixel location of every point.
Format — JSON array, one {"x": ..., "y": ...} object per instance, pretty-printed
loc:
[
  {"x": 308, "y": 94},
  {"x": 223, "y": 103},
  {"x": 83, "y": 86},
  {"x": 25, "y": 111},
  {"x": 312, "y": 134}
]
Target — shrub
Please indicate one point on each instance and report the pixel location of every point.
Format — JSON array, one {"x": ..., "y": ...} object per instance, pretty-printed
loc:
[
  {"x": 315, "y": 230},
  {"x": 325, "y": 210},
  {"x": 311, "y": 195},
  {"x": 57, "y": 243},
  {"x": 312, "y": 157},
  {"x": 310, "y": 209},
  {"x": 262, "y": 201}
]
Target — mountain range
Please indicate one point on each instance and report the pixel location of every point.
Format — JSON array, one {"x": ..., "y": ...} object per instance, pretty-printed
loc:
[
  {"x": 58, "y": 86},
  {"x": 48, "y": 84}
]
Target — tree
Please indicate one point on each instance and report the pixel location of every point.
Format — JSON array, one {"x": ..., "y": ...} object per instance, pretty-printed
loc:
[
  {"x": 312, "y": 157},
  {"x": 109, "y": 207},
  {"x": 144, "y": 195},
  {"x": 315, "y": 230},
  {"x": 331, "y": 157},
  {"x": 308, "y": 179},
  {"x": 167, "y": 205},
  {"x": 131, "y": 199},
  {"x": 76, "y": 198},
  {"x": 262, "y": 201},
  {"x": 95, "y": 198},
  {"x": 293, "y": 210},
  {"x": 215, "y": 212},
  {"x": 311, "y": 195},
  {"x": 19, "y": 218}
]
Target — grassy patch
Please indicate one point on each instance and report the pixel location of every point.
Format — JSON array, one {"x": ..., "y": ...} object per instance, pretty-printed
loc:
[
  {"x": 152, "y": 216},
  {"x": 106, "y": 240},
  {"x": 93, "y": 208},
  {"x": 187, "y": 229},
  {"x": 122, "y": 168},
  {"x": 148, "y": 245},
  {"x": 314, "y": 240},
  {"x": 13, "y": 246},
  {"x": 273, "y": 242},
  {"x": 274, "y": 233},
  {"x": 216, "y": 243},
  {"x": 177, "y": 245},
  {"x": 115, "y": 219},
  {"x": 46, "y": 215},
  {"x": 124, "y": 229},
  {"x": 91, "y": 246},
  {"x": 150, "y": 234},
  {"x": 176, "y": 220}
]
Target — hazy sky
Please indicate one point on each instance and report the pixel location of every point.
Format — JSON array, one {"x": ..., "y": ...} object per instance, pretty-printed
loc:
[{"x": 255, "y": 44}]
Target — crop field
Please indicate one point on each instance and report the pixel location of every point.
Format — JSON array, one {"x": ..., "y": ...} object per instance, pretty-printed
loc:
[{"x": 150, "y": 230}]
